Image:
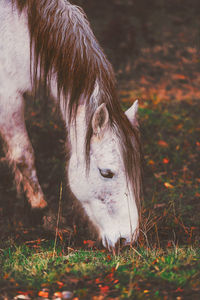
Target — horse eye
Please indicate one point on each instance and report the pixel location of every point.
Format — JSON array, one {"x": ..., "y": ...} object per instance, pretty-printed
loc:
[{"x": 106, "y": 173}]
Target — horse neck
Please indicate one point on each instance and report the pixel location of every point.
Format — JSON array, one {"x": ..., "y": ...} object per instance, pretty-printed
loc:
[{"x": 77, "y": 133}]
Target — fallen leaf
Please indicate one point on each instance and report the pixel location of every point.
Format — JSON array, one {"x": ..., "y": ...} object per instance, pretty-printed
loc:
[
  {"x": 165, "y": 160},
  {"x": 60, "y": 284},
  {"x": 179, "y": 290},
  {"x": 108, "y": 257},
  {"x": 43, "y": 294},
  {"x": 179, "y": 76},
  {"x": 158, "y": 205},
  {"x": 104, "y": 289},
  {"x": 179, "y": 126},
  {"x": 89, "y": 243},
  {"x": 198, "y": 144},
  {"x": 101, "y": 297},
  {"x": 58, "y": 294},
  {"x": 168, "y": 185},
  {"x": 162, "y": 144},
  {"x": 169, "y": 244},
  {"x": 97, "y": 280}
]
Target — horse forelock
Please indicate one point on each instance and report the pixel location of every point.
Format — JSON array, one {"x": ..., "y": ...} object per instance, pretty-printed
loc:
[{"x": 65, "y": 48}]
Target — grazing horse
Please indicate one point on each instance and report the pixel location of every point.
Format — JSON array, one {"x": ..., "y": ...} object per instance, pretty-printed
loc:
[{"x": 50, "y": 42}]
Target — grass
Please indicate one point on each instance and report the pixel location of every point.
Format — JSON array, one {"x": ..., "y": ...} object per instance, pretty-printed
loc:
[
  {"x": 155, "y": 272},
  {"x": 171, "y": 172}
]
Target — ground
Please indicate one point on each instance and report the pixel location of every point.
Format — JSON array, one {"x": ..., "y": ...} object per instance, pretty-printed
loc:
[{"x": 154, "y": 48}]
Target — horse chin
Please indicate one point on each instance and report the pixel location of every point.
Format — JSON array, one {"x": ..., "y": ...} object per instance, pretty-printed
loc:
[
  {"x": 108, "y": 242},
  {"x": 114, "y": 245},
  {"x": 115, "y": 241}
]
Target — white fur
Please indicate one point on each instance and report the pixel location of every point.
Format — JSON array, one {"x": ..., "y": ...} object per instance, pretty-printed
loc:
[{"x": 108, "y": 202}]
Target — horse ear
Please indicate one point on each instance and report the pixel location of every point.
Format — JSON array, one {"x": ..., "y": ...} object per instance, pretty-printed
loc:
[
  {"x": 131, "y": 113},
  {"x": 100, "y": 119}
]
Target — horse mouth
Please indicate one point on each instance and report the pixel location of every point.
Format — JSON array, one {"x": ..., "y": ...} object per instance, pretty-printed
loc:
[{"x": 116, "y": 247}]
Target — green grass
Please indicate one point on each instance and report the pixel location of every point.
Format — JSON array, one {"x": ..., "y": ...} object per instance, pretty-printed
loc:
[
  {"x": 171, "y": 170},
  {"x": 133, "y": 272}
]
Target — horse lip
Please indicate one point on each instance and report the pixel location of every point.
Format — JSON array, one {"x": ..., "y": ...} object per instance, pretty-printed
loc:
[
  {"x": 121, "y": 243},
  {"x": 126, "y": 243}
]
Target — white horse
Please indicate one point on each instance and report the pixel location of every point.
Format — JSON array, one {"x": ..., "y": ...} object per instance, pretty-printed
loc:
[{"x": 50, "y": 42}]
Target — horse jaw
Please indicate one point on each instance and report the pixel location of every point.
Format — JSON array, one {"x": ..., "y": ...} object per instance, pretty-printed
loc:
[
  {"x": 107, "y": 202},
  {"x": 114, "y": 221}
]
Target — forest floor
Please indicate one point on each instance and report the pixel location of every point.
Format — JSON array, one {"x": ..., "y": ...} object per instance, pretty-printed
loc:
[{"x": 156, "y": 58}]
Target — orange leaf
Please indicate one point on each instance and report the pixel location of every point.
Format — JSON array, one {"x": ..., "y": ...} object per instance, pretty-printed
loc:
[
  {"x": 165, "y": 160},
  {"x": 89, "y": 243},
  {"x": 24, "y": 293},
  {"x": 60, "y": 284},
  {"x": 43, "y": 294},
  {"x": 108, "y": 257},
  {"x": 179, "y": 76},
  {"x": 6, "y": 276},
  {"x": 97, "y": 280},
  {"x": 162, "y": 144},
  {"x": 58, "y": 295},
  {"x": 198, "y": 144},
  {"x": 154, "y": 261},
  {"x": 60, "y": 236},
  {"x": 193, "y": 228},
  {"x": 179, "y": 126},
  {"x": 116, "y": 281},
  {"x": 104, "y": 289},
  {"x": 169, "y": 244},
  {"x": 168, "y": 185},
  {"x": 179, "y": 290}
]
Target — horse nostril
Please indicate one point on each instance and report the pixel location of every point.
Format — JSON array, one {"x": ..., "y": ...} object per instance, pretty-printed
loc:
[{"x": 122, "y": 242}]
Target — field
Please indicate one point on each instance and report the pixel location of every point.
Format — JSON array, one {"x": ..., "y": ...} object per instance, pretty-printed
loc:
[{"x": 155, "y": 56}]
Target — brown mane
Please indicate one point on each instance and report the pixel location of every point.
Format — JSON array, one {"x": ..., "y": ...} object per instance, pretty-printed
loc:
[{"x": 64, "y": 46}]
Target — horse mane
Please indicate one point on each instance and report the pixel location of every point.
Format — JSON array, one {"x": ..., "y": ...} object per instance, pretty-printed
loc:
[{"x": 65, "y": 48}]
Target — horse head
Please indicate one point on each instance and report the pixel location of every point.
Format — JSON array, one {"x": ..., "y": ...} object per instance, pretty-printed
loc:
[{"x": 104, "y": 190}]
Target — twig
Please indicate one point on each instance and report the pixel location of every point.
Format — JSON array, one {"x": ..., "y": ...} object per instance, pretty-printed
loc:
[{"x": 58, "y": 218}]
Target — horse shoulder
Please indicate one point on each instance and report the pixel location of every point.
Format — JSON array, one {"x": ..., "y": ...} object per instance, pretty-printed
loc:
[{"x": 14, "y": 49}]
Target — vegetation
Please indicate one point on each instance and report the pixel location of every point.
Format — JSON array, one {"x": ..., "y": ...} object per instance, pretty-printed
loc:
[{"x": 95, "y": 274}]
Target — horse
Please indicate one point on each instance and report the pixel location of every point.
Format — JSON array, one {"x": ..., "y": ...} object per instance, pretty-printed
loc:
[{"x": 51, "y": 43}]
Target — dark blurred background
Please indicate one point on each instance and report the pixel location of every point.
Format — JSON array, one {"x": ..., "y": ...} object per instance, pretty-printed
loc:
[
  {"x": 124, "y": 26},
  {"x": 149, "y": 42}
]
